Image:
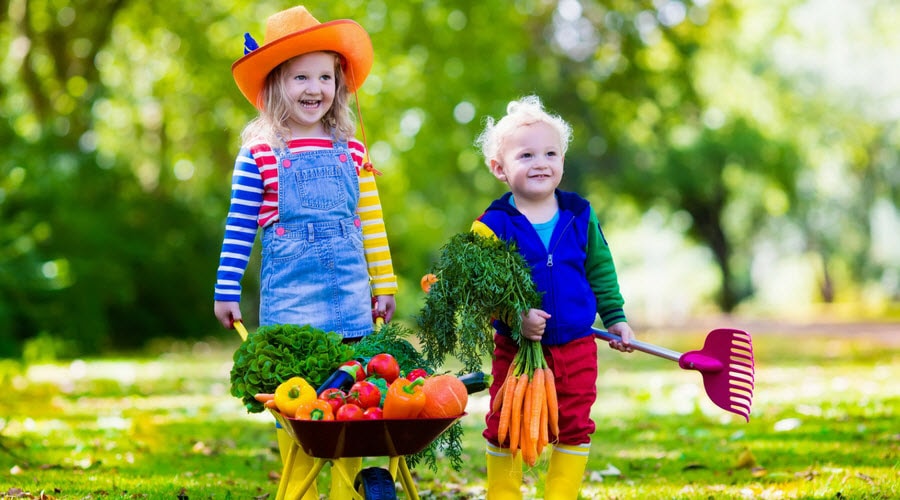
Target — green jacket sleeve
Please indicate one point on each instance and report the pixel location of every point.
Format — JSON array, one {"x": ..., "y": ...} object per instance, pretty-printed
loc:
[{"x": 601, "y": 273}]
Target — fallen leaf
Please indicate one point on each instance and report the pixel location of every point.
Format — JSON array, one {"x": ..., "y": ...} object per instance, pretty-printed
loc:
[
  {"x": 201, "y": 448},
  {"x": 809, "y": 475},
  {"x": 865, "y": 478},
  {"x": 758, "y": 471},
  {"x": 610, "y": 470},
  {"x": 746, "y": 460}
]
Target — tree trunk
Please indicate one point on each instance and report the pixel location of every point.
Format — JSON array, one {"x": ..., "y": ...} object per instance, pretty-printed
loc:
[{"x": 708, "y": 228}]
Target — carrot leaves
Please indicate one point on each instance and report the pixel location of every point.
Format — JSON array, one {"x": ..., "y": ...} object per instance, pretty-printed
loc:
[{"x": 479, "y": 279}]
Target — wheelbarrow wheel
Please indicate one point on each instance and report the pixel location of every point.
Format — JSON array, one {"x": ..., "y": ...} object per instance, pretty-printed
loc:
[{"x": 375, "y": 483}]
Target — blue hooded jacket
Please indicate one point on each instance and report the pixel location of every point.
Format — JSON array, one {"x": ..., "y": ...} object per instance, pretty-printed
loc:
[{"x": 560, "y": 273}]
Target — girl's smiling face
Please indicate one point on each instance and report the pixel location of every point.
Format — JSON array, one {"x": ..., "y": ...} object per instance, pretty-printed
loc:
[
  {"x": 309, "y": 84},
  {"x": 531, "y": 161}
]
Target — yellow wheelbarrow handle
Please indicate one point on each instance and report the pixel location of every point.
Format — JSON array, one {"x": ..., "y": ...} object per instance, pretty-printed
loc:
[{"x": 239, "y": 326}]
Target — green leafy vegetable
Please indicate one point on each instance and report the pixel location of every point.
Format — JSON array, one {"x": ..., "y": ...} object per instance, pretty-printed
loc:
[
  {"x": 391, "y": 338},
  {"x": 479, "y": 279},
  {"x": 276, "y": 353}
]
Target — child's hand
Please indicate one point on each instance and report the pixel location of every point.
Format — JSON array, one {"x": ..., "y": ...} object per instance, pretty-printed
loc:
[
  {"x": 385, "y": 305},
  {"x": 533, "y": 324},
  {"x": 227, "y": 313},
  {"x": 622, "y": 330}
]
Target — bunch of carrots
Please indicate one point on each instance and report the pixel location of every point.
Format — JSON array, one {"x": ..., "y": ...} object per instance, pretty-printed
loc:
[{"x": 529, "y": 411}]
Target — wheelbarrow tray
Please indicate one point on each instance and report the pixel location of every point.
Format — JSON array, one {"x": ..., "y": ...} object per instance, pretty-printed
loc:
[{"x": 364, "y": 438}]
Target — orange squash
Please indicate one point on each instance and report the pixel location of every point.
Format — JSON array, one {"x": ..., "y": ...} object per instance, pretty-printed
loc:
[{"x": 445, "y": 396}]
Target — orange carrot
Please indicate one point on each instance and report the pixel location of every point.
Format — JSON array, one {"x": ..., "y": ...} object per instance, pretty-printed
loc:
[
  {"x": 509, "y": 389},
  {"x": 426, "y": 282},
  {"x": 552, "y": 403},
  {"x": 528, "y": 445},
  {"x": 262, "y": 397},
  {"x": 270, "y": 404},
  {"x": 537, "y": 402},
  {"x": 543, "y": 436},
  {"x": 497, "y": 403},
  {"x": 515, "y": 420}
]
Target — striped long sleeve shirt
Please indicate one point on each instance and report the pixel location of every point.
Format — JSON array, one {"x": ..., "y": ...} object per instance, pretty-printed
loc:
[{"x": 254, "y": 205}]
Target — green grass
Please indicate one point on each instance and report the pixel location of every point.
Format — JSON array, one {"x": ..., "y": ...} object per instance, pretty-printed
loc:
[{"x": 824, "y": 425}]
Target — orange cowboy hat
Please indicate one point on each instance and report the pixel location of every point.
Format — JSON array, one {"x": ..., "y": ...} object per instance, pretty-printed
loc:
[{"x": 293, "y": 32}]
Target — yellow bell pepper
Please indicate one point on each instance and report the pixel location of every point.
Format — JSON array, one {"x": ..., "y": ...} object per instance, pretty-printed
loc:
[{"x": 292, "y": 393}]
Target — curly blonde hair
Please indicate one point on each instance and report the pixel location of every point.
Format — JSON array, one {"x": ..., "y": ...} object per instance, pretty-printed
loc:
[
  {"x": 270, "y": 126},
  {"x": 525, "y": 111}
]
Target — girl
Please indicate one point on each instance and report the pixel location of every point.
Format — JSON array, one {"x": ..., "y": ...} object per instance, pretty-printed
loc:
[
  {"x": 552, "y": 229},
  {"x": 301, "y": 178}
]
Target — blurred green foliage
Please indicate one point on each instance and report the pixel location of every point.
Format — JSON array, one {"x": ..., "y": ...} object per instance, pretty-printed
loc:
[{"x": 122, "y": 123}]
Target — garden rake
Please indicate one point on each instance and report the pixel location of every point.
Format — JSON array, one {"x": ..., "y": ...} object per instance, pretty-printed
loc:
[{"x": 726, "y": 363}]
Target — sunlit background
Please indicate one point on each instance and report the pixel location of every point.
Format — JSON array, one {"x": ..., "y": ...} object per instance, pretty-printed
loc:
[{"x": 742, "y": 156}]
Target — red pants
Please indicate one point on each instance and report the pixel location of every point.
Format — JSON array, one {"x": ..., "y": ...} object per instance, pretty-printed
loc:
[{"x": 575, "y": 368}]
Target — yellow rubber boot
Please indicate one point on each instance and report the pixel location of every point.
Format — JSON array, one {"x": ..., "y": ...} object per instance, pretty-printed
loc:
[
  {"x": 342, "y": 488},
  {"x": 566, "y": 471},
  {"x": 303, "y": 463},
  {"x": 504, "y": 474}
]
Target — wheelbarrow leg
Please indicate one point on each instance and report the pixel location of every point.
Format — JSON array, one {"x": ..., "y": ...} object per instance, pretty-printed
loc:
[
  {"x": 406, "y": 480},
  {"x": 300, "y": 489},
  {"x": 338, "y": 468},
  {"x": 286, "y": 471},
  {"x": 392, "y": 466},
  {"x": 310, "y": 478}
]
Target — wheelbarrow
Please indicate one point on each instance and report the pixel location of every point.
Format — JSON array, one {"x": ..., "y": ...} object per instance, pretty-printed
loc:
[{"x": 327, "y": 441}]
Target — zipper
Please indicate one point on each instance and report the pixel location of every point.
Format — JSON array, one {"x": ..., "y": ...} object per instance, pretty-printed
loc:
[
  {"x": 551, "y": 295},
  {"x": 556, "y": 244}
]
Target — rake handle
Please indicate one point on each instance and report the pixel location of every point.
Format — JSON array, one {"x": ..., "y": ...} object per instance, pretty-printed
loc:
[{"x": 655, "y": 350}]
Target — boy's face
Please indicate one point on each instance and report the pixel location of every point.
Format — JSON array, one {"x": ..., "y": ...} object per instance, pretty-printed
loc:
[
  {"x": 531, "y": 161},
  {"x": 310, "y": 86}
]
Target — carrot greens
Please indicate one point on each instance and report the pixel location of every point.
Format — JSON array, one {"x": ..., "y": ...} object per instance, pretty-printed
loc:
[{"x": 479, "y": 279}]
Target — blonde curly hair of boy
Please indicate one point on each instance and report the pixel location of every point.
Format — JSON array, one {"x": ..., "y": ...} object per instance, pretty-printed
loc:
[{"x": 526, "y": 111}]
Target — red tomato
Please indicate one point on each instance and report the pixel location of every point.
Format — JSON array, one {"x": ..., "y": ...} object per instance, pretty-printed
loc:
[
  {"x": 364, "y": 394},
  {"x": 385, "y": 366},
  {"x": 360, "y": 369},
  {"x": 416, "y": 373},
  {"x": 373, "y": 413},
  {"x": 349, "y": 412},
  {"x": 334, "y": 397}
]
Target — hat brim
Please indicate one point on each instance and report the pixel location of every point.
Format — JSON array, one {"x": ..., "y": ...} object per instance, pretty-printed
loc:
[{"x": 344, "y": 36}]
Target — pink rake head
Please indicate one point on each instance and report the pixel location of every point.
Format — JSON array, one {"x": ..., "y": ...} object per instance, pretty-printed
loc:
[{"x": 726, "y": 363}]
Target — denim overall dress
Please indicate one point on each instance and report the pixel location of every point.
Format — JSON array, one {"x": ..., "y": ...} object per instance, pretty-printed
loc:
[{"x": 313, "y": 264}]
